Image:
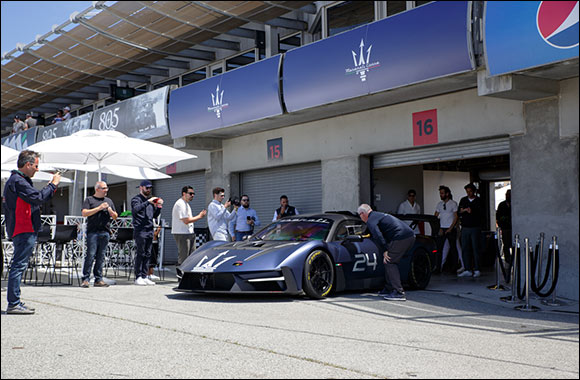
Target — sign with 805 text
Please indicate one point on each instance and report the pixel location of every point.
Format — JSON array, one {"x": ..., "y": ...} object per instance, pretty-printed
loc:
[
  {"x": 275, "y": 151},
  {"x": 425, "y": 128}
]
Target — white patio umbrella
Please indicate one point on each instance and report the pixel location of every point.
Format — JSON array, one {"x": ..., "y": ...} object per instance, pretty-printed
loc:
[
  {"x": 103, "y": 148},
  {"x": 132, "y": 172},
  {"x": 38, "y": 177},
  {"x": 8, "y": 154}
]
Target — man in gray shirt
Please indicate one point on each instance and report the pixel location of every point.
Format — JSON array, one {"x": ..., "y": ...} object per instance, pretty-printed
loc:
[
  {"x": 30, "y": 121},
  {"x": 18, "y": 125}
]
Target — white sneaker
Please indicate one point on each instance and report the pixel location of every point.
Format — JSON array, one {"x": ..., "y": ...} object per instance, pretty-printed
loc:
[
  {"x": 148, "y": 281},
  {"x": 153, "y": 277},
  {"x": 140, "y": 281},
  {"x": 460, "y": 270},
  {"x": 466, "y": 273},
  {"x": 476, "y": 273}
]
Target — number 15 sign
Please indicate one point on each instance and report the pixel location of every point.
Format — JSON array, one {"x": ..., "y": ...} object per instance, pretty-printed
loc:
[{"x": 425, "y": 128}]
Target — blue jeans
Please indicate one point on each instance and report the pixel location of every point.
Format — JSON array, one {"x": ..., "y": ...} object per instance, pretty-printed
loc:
[
  {"x": 241, "y": 234},
  {"x": 470, "y": 238},
  {"x": 143, "y": 247},
  {"x": 23, "y": 247},
  {"x": 96, "y": 248}
]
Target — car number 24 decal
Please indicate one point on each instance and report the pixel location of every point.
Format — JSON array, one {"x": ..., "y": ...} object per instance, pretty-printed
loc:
[{"x": 363, "y": 260}]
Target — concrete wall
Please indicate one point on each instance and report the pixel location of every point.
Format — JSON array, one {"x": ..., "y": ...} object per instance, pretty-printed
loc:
[
  {"x": 462, "y": 116},
  {"x": 544, "y": 174},
  {"x": 569, "y": 108},
  {"x": 391, "y": 186}
]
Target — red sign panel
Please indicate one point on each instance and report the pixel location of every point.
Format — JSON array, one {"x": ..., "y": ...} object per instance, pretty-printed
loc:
[{"x": 425, "y": 128}]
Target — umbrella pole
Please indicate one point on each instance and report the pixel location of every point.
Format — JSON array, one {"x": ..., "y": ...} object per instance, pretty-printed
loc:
[
  {"x": 86, "y": 180},
  {"x": 72, "y": 209},
  {"x": 100, "y": 169}
]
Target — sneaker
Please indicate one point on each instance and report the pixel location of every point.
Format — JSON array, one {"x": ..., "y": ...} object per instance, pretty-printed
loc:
[
  {"x": 101, "y": 284},
  {"x": 465, "y": 273},
  {"x": 460, "y": 270},
  {"x": 19, "y": 309},
  {"x": 85, "y": 284},
  {"x": 153, "y": 277},
  {"x": 148, "y": 281},
  {"x": 140, "y": 281},
  {"x": 476, "y": 273},
  {"x": 384, "y": 292},
  {"x": 28, "y": 307},
  {"x": 395, "y": 296}
]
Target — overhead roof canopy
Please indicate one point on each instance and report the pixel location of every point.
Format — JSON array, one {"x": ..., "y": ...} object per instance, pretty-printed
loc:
[{"x": 129, "y": 41}]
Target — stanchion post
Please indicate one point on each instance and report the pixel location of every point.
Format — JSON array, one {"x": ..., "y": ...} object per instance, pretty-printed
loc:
[
  {"x": 554, "y": 301},
  {"x": 540, "y": 256},
  {"x": 514, "y": 273},
  {"x": 497, "y": 285},
  {"x": 527, "y": 306}
]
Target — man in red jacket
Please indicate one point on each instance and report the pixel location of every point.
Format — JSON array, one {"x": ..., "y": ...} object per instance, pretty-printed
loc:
[{"x": 23, "y": 222}]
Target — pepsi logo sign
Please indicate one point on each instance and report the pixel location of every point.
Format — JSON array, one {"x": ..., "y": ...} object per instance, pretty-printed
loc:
[{"x": 557, "y": 23}]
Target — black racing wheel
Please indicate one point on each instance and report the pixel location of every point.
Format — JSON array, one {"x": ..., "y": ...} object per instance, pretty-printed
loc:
[
  {"x": 318, "y": 275},
  {"x": 420, "y": 272}
]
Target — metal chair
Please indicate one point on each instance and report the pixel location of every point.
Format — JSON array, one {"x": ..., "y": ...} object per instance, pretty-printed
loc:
[
  {"x": 120, "y": 256},
  {"x": 63, "y": 235},
  {"x": 37, "y": 258}
]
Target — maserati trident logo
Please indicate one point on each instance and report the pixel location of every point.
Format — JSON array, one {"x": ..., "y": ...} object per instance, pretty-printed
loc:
[
  {"x": 217, "y": 102},
  {"x": 203, "y": 280},
  {"x": 362, "y": 62},
  {"x": 209, "y": 266}
]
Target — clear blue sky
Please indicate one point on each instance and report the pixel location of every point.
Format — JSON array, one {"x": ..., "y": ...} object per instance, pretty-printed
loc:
[{"x": 23, "y": 20}]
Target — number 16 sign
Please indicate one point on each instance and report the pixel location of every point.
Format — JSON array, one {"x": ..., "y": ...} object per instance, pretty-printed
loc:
[{"x": 425, "y": 128}]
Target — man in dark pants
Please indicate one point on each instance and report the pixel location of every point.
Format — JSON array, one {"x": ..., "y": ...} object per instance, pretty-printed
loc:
[
  {"x": 23, "y": 222},
  {"x": 503, "y": 217},
  {"x": 394, "y": 238},
  {"x": 471, "y": 216},
  {"x": 98, "y": 209},
  {"x": 144, "y": 208}
]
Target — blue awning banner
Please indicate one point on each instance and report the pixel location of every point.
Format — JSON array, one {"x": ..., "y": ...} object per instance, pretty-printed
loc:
[
  {"x": 424, "y": 43},
  {"x": 246, "y": 94}
]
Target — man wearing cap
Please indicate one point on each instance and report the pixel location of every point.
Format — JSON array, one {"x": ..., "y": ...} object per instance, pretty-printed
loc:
[
  {"x": 18, "y": 125},
  {"x": 30, "y": 122},
  {"x": 144, "y": 208},
  {"x": 66, "y": 115}
]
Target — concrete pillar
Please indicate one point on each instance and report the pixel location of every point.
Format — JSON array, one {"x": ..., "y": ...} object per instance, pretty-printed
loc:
[
  {"x": 215, "y": 176},
  {"x": 345, "y": 183},
  {"x": 544, "y": 175},
  {"x": 272, "y": 47}
]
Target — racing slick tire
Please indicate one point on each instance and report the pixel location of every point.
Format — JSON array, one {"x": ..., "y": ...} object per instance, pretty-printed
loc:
[
  {"x": 318, "y": 279},
  {"x": 420, "y": 272}
]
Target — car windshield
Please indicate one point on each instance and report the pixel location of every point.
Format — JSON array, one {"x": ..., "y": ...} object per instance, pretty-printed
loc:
[{"x": 296, "y": 229}]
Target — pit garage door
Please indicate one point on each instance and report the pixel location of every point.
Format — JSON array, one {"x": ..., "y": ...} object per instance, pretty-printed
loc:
[
  {"x": 170, "y": 191},
  {"x": 301, "y": 183},
  {"x": 431, "y": 154}
]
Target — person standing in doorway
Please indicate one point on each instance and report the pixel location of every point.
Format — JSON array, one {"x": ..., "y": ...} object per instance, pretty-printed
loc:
[
  {"x": 245, "y": 220},
  {"x": 182, "y": 221},
  {"x": 446, "y": 211},
  {"x": 218, "y": 216},
  {"x": 471, "y": 216},
  {"x": 144, "y": 208},
  {"x": 503, "y": 217},
  {"x": 285, "y": 209},
  {"x": 410, "y": 206},
  {"x": 98, "y": 209},
  {"x": 393, "y": 238},
  {"x": 22, "y": 205}
]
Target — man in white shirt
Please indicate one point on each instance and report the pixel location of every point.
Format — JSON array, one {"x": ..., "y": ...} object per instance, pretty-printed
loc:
[
  {"x": 218, "y": 217},
  {"x": 182, "y": 224},
  {"x": 446, "y": 211},
  {"x": 410, "y": 206}
]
